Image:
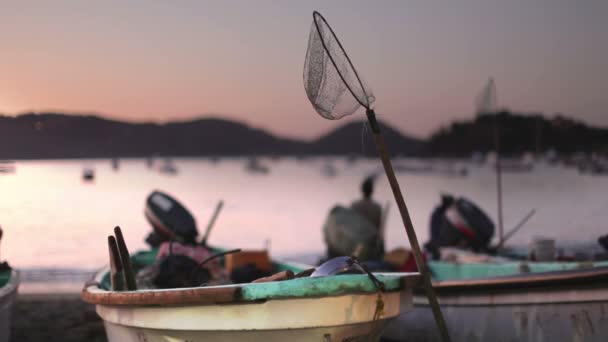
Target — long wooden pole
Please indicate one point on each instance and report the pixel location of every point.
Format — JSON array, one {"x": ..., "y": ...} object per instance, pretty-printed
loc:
[{"x": 409, "y": 227}]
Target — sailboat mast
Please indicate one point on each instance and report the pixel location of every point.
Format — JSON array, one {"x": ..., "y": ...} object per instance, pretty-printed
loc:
[
  {"x": 498, "y": 175},
  {"x": 487, "y": 105}
]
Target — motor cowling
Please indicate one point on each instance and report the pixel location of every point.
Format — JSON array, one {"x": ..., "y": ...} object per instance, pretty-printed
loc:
[
  {"x": 169, "y": 218},
  {"x": 464, "y": 224}
]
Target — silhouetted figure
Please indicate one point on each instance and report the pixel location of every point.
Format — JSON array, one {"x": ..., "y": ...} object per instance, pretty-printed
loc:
[
  {"x": 369, "y": 208},
  {"x": 366, "y": 206}
]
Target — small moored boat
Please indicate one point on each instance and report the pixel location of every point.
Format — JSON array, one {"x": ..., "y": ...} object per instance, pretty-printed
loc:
[
  {"x": 9, "y": 281},
  {"x": 329, "y": 308},
  {"x": 7, "y": 167},
  {"x": 513, "y": 301},
  {"x": 254, "y": 166}
]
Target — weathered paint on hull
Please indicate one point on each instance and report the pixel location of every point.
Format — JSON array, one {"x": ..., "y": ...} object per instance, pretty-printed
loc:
[
  {"x": 8, "y": 293},
  {"x": 535, "y": 316},
  {"x": 358, "y": 332},
  {"x": 313, "y": 319}
]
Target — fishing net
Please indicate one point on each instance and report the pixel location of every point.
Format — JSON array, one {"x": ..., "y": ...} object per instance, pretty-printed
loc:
[
  {"x": 487, "y": 100},
  {"x": 332, "y": 84}
]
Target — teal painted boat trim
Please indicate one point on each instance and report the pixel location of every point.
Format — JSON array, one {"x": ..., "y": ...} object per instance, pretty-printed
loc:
[
  {"x": 452, "y": 271},
  {"x": 5, "y": 276},
  {"x": 144, "y": 258},
  {"x": 319, "y": 286}
]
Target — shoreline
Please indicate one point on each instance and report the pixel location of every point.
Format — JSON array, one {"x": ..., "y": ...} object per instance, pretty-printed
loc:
[{"x": 55, "y": 317}]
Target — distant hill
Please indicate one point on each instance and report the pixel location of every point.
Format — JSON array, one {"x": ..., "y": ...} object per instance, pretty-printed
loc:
[
  {"x": 56, "y": 135},
  {"x": 357, "y": 138},
  {"x": 518, "y": 134}
]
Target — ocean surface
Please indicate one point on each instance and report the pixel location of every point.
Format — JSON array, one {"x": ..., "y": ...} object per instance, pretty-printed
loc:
[{"x": 56, "y": 225}]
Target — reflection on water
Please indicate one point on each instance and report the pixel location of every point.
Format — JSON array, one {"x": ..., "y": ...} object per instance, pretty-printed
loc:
[{"x": 53, "y": 219}]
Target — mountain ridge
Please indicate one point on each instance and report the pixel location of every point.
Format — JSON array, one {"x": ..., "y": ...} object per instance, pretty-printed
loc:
[{"x": 57, "y": 135}]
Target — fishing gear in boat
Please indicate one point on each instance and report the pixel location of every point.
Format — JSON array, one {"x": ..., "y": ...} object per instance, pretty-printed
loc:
[
  {"x": 335, "y": 89},
  {"x": 181, "y": 270},
  {"x": 345, "y": 265}
]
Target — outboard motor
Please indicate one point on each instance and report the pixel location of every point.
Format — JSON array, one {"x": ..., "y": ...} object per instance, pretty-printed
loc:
[
  {"x": 462, "y": 223},
  {"x": 170, "y": 220}
]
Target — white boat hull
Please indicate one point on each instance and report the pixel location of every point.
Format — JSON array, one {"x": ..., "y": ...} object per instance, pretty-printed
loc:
[
  {"x": 325, "y": 334},
  {"x": 578, "y": 314},
  {"x": 8, "y": 293},
  {"x": 303, "y": 319}
]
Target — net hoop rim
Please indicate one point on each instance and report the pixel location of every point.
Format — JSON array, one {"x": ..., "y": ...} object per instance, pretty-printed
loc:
[{"x": 316, "y": 14}]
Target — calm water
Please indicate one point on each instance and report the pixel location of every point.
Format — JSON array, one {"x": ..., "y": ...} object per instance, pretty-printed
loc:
[{"x": 52, "y": 219}]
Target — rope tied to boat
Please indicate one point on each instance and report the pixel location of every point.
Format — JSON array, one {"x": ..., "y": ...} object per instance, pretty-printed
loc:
[{"x": 380, "y": 287}]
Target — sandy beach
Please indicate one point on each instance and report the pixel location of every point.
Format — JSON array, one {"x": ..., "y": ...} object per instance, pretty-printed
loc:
[{"x": 55, "y": 317}]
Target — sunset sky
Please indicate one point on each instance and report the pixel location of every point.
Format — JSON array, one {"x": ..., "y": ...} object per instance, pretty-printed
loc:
[{"x": 425, "y": 60}]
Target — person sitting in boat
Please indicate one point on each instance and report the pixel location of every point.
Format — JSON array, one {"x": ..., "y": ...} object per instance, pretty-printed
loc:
[
  {"x": 369, "y": 208},
  {"x": 366, "y": 206},
  {"x": 355, "y": 230}
]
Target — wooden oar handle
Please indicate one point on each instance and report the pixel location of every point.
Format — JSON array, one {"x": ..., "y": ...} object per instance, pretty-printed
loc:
[
  {"x": 125, "y": 260},
  {"x": 284, "y": 275},
  {"x": 116, "y": 272}
]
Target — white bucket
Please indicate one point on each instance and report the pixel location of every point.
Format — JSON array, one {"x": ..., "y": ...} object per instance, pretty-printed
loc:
[{"x": 544, "y": 249}]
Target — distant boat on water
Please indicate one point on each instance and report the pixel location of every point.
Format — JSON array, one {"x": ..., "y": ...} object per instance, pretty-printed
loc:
[
  {"x": 433, "y": 168},
  {"x": 88, "y": 174},
  {"x": 413, "y": 167},
  {"x": 150, "y": 162},
  {"x": 351, "y": 158},
  {"x": 329, "y": 170},
  {"x": 523, "y": 164},
  {"x": 115, "y": 164},
  {"x": 7, "y": 166},
  {"x": 594, "y": 167},
  {"x": 254, "y": 166},
  {"x": 168, "y": 167}
]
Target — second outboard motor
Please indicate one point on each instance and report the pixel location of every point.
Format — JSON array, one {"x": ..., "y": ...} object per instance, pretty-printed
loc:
[{"x": 463, "y": 224}]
